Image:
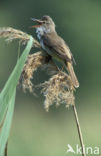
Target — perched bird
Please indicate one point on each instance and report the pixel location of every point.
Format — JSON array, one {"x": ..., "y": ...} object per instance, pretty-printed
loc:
[{"x": 54, "y": 45}]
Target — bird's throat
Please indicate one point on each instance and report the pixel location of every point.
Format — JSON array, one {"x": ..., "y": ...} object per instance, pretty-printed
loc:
[{"x": 41, "y": 31}]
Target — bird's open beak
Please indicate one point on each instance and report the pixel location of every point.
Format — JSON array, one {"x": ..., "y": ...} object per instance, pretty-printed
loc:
[{"x": 38, "y": 21}]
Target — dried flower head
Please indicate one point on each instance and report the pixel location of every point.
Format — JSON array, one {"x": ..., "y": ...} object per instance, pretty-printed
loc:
[
  {"x": 33, "y": 62},
  {"x": 11, "y": 34},
  {"x": 58, "y": 89}
]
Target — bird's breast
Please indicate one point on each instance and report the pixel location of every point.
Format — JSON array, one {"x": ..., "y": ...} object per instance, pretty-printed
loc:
[
  {"x": 39, "y": 32},
  {"x": 42, "y": 44}
]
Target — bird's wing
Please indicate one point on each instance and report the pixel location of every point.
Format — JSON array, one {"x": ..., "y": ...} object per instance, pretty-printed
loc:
[{"x": 57, "y": 46}]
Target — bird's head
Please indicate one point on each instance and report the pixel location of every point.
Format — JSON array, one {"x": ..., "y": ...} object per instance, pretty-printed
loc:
[{"x": 45, "y": 23}]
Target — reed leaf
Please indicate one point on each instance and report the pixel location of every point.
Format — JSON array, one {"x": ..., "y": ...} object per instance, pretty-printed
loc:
[
  {"x": 7, "y": 124},
  {"x": 7, "y": 97}
]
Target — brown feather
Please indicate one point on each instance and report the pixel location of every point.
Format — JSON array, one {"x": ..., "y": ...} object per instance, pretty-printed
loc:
[
  {"x": 56, "y": 46},
  {"x": 72, "y": 74}
]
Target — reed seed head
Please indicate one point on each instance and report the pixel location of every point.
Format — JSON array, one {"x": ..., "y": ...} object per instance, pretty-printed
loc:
[
  {"x": 59, "y": 90},
  {"x": 12, "y": 34},
  {"x": 33, "y": 62}
]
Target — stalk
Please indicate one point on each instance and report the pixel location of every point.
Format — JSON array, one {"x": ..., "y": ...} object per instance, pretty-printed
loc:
[{"x": 79, "y": 130}]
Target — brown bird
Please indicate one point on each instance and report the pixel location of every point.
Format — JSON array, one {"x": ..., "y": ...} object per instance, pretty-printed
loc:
[{"x": 54, "y": 45}]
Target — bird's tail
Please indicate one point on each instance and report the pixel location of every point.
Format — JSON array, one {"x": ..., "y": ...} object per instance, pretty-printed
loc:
[{"x": 72, "y": 75}]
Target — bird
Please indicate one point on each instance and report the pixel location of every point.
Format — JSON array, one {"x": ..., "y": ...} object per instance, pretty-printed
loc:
[{"x": 54, "y": 45}]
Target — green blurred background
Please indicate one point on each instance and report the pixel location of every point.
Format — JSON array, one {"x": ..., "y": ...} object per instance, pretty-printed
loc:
[{"x": 35, "y": 132}]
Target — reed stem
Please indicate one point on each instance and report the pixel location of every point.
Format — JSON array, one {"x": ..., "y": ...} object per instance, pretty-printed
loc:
[{"x": 79, "y": 130}]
